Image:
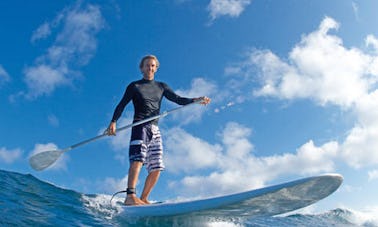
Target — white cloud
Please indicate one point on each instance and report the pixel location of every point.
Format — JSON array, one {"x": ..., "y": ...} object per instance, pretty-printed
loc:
[
  {"x": 60, "y": 164},
  {"x": 44, "y": 79},
  {"x": 235, "y": 139},
  {"x": 360, "y": 147},
  {"x": 322, "y": 69},
  {"x": 319, "y": 68},
  {"x": 4, "y": 76},
  {"x": 186, "y": 152},
  {"x": 229, "y": 161},
  {"x": 9, "y": 156},
  {"x": 373, "y": 175},
  {"x": 42, "y": 32},
  {"x": 199, "y": 87},
  {"x": 232, "y": 8},
  {"x": 73, "y": 47},
  {"x": 232, "y": 162},
  {"x": 372, "y": 41},
  {"x": 308, "y": 159}
]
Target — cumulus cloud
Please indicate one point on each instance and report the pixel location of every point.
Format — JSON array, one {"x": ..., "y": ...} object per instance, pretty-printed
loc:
[
  {"x": 187, "y": 152},
  {"x": 60, "y": 164},
  {"x": 232, "y": 8},
  {"x": 9, "y": 156},
  {"x": 74, "y": 45},
  {"x": 360, "y": 147},
  {"x": 321, "y": 68},
  {"x": 232, "y": 162},
  {"x": 4, "y": 76}
]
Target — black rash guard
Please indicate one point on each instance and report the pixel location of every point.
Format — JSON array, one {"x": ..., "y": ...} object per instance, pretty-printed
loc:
[{"x": 147, "y": 96}]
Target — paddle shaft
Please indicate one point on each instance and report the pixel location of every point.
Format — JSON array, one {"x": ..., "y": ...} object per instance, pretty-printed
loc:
[{"x": 165, "y": 113}]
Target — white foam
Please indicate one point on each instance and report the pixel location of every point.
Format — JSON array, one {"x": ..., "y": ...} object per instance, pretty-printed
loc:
[
  {"x": 99, "y": 205},
  {"x": 366, "y": 217},
  {"x": 222, "y": 224}
]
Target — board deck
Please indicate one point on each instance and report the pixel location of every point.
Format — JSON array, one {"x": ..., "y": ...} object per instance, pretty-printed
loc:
[{"x": 267, "y": 201}]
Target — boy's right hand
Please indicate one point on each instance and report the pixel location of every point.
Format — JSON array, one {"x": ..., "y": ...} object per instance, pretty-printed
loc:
[{"x": 111, "y": 131}]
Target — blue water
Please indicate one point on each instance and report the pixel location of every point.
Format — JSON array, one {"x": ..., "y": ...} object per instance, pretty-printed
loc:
[{"x": 28, "y": 201}]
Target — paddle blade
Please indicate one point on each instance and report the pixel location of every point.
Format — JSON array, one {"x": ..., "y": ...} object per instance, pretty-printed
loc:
[{"x": 44, "y": 159}]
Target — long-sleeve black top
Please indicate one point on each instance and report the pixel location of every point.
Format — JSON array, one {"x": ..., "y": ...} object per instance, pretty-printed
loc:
[{"x": 147, "y": 96}]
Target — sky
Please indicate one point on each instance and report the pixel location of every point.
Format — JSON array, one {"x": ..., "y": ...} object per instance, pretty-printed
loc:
[{"x": 293, "y": 86}]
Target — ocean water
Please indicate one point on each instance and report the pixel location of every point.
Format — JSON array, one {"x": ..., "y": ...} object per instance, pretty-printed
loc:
[{"x": 28, "y": 201}]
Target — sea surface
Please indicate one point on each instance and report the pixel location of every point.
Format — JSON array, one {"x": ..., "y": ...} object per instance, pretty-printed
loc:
[{"x": 28, "y": 201}]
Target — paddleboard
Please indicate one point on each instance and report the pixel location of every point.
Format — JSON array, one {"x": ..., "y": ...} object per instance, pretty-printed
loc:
[{"x": 267, "y": 201}]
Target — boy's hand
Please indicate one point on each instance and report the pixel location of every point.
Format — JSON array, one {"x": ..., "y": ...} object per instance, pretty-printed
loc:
[
  {"x": 204, "y": 100},
  {"x": 111, "y": 131}
]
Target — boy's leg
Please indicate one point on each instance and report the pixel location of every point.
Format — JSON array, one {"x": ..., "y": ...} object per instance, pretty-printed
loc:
[
  {"x": 134, "y": 170},
  {"x": 151, "y": 180},
  {"x": 137, "y": 155}
]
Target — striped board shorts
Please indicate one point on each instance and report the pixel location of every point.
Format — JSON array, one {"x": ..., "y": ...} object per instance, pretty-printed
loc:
[{"x": 146, "y": 146}]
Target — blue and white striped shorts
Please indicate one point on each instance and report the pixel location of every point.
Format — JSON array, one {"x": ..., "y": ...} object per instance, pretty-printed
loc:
[{"x": 146, "y": 146}]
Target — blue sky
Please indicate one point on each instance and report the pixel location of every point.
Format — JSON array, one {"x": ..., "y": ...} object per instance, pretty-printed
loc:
[{"x": 293, "y": 84}]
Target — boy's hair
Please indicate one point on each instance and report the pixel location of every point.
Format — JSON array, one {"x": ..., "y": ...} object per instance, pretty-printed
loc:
[{"x": 149, "y": 57}]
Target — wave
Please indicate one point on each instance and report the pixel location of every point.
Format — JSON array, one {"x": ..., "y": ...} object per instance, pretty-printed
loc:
[{"x": 28, "y": 201}]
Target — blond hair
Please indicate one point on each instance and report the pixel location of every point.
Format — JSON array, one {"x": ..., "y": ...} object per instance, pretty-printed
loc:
[{"x": 153, "y": 57}]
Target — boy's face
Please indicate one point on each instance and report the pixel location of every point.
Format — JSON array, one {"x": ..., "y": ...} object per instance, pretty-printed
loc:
[{"x": 149, "y": 69}]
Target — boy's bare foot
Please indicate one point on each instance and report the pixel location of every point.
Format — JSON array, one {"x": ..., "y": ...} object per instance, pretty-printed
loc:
[
  {"x": 132, "y": 200},
  {"x": 146, "y": 201}
]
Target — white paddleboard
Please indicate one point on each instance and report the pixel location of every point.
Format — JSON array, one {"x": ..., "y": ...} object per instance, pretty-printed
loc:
[{"x": 268, "y": 201}]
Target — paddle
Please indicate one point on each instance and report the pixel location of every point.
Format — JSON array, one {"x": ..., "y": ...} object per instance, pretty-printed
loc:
[{"x": 42, "y": 160}]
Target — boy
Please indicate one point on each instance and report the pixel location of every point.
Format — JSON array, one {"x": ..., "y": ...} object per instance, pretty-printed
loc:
[{"x": 145, "y": 143}]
